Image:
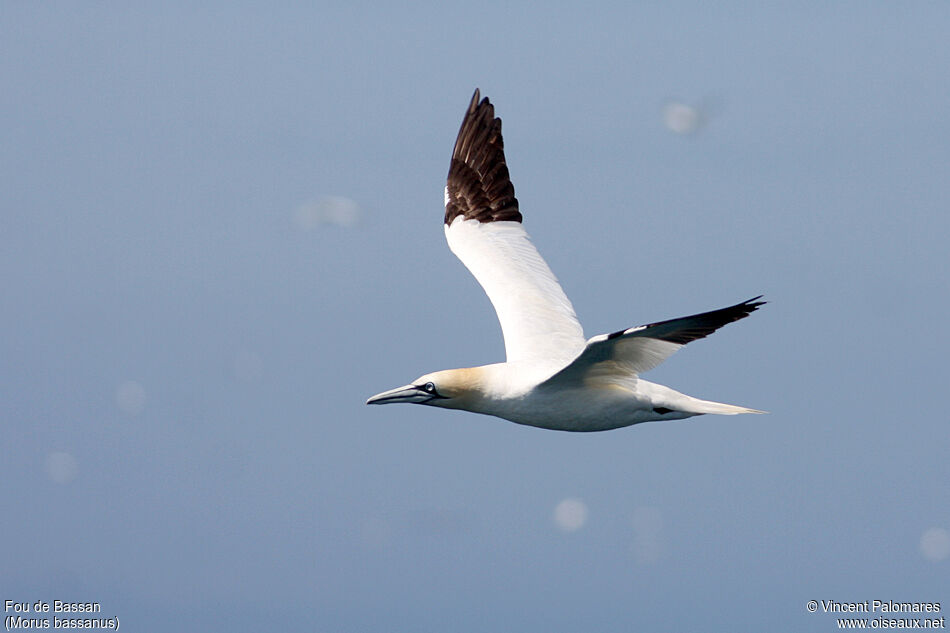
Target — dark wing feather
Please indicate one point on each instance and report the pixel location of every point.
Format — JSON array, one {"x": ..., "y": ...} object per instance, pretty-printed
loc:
[
  {"x": 691, "y": 328},
  {"x": 623, "y": 355},
  {"x": 478, "y": 185}
]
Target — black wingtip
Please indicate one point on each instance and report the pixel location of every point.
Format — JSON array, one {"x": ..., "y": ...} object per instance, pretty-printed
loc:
[
  {"x": 740, "y": 310},
  {"x": 478, "y": 185},
  {"x": 753, "y": 303},
  {"x": 697, "y": 326}
]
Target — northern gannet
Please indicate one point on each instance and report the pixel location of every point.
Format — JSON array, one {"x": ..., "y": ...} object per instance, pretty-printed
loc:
[{"x": 553, "y": 378}]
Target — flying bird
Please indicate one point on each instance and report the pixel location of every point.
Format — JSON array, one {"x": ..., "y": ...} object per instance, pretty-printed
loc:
[{"x": 552, "y": 378}]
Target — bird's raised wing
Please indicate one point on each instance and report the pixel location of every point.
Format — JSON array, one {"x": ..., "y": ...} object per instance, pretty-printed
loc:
[
  {"x": 620, "y": 356},
  {"x": 483, "y": 229}
]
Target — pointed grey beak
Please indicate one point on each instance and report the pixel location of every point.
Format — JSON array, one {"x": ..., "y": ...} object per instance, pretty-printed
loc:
[{"x": 409, "y": 393}]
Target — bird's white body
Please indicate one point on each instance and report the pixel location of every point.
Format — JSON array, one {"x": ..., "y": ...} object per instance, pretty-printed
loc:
[
  {"x": 598, "y": 408},
  {"x": 553, "y": 377}
]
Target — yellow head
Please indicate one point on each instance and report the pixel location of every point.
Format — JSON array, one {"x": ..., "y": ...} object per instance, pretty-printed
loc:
[{"x": 450, "y": 388}]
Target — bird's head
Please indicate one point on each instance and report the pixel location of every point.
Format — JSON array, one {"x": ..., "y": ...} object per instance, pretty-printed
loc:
[{"x": 451, "y": 388}]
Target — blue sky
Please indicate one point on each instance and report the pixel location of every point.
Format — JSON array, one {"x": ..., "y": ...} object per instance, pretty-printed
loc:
[{"x": 189, "y": 338}]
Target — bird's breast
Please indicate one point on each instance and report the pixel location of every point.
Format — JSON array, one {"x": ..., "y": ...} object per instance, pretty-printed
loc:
[{"x": 596, "y": 409}]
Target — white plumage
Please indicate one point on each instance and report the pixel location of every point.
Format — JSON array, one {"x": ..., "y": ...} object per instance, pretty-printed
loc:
[
  {"x": 552, "y": 378},
  {"x": 537, "y": 319}
]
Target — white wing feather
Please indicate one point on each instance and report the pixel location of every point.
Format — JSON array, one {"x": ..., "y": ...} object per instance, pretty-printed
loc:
[{"x": 536, "y": 317}]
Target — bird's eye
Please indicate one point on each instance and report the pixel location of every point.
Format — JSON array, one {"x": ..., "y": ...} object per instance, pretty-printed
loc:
[{"x": 429, "y": 387}]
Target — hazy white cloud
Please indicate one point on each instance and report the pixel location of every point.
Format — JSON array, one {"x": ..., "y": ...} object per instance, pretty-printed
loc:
[
  {"x": 648, "y": 545},
  {"x": 682, "y": 118},
  {"x": 61, "y": 467},
  {"x": 130, "y": 397},
  {"x": 327, "y": 210},
  {"x": 935, "y": 544},
  {"x": 570, "y": 514}
]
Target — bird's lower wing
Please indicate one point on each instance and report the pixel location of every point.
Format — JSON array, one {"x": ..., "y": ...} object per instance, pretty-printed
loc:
[{"x": 621, "y": 356}]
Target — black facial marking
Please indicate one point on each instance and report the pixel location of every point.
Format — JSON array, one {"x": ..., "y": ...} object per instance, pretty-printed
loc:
[{"x": 430, "y": 389}]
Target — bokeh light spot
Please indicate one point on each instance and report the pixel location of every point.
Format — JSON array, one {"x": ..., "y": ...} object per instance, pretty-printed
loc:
[
  {"x": 935, "y": 544},
  {"x": 130, "y": 398},
  {"x": 61, "y": 467},
  {"x": 570, "y": 514},
  {"x": 681, "y": 118},
  {"x": 328, "y": 210}
]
